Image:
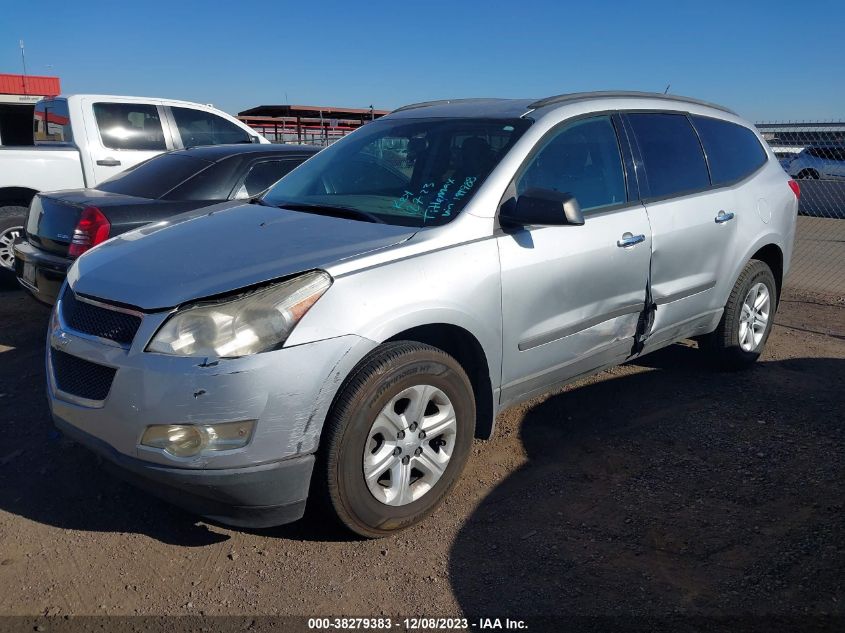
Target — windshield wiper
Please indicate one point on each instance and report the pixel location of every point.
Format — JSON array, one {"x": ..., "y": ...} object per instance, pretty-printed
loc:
[{"x": 332, "y": 210}]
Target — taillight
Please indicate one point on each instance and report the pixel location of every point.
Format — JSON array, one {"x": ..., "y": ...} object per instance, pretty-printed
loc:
[
  {"x": 796, "y": 188},
  {"x": 92, "y": 228}
]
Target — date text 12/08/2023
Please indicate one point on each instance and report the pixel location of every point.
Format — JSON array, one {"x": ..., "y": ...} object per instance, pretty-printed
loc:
[{"x": 416, "y": 624}]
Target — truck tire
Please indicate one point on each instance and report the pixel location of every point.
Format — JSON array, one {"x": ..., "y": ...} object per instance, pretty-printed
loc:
[
  {"x": 12, "y": 220},
  {"x": 396, "y": 440},
  {"x": 747, "y": 319}
]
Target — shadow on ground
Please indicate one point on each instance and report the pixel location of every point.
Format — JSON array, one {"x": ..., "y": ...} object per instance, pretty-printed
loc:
[
  {"x": 49, "y": 479},
  {"x": 674, "y": 490}
]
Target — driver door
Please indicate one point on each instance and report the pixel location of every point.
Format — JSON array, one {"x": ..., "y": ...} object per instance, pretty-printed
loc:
[{"x": 572, "y": 295}]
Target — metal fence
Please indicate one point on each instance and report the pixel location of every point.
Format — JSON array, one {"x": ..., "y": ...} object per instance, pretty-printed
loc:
[{"x": 813, "y": 153}]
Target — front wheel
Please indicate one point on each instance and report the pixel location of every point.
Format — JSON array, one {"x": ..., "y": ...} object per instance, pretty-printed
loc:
[
  {"x": 12, "y": 219},
  {"x": 397, "y": 438},
  {"x": 747, "y": 320}
]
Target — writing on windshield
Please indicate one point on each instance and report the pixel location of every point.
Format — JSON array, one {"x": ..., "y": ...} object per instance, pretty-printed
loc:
[{"x": 419, "y": 172}]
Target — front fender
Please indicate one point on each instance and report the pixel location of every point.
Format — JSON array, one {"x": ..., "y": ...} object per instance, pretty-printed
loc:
[{"x": 458, "y": 286}]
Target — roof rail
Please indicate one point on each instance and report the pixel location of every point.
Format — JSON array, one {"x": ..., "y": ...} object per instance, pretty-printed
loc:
[
  {"x": 620, "y": 94},
  {"x": 423, "y": 104}
]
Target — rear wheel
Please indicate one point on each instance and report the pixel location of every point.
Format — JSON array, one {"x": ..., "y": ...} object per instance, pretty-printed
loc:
[
  {"x": 397, "y": 438},
  {"x": 808, "y": 174},
  {"x": 747, "y": 319}
]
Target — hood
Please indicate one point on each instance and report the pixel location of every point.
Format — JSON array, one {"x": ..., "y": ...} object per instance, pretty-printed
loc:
[{"x": 219, "y": 249}]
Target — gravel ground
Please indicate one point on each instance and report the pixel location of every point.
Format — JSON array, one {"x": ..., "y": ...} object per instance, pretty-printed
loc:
[{"x": 654, "y": 489}]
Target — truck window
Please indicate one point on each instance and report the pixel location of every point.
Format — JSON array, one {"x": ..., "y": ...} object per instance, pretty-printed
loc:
[
  {"x": 129, "y": 126},
  {"x": 197, "y": 127},
  {"x": 51, "y": 122}
]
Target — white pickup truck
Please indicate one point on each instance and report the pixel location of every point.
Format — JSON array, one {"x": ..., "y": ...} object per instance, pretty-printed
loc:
[{"x": 82, "y": 140}]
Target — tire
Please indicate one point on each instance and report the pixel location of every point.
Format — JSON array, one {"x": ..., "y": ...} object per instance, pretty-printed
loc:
[
  {"x": 12, "y": 220},
  {"x": 396, "y": 375},
  {"x": 808, "y": 174},
  {"x": 735, "y": 344}
]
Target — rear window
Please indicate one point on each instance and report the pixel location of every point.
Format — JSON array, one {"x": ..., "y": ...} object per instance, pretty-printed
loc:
[
  {"x": 155, "y": 177},
  {"x": 51, "y": 123},
  {"x": 733, "y": 152},
  {"x": 674, "y": 162}
]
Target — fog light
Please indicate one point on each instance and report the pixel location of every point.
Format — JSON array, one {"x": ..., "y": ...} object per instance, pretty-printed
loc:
[{"x": 187, "y": 440}]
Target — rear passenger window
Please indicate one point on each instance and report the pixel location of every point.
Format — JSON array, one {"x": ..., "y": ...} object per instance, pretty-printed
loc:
[
  {"x": 262, "y": 175},
  {"x": 129, "y": 126},
  {"x": 582, "y": 159},
  {"x": 733, "y": 152},
  {"x": 674, "y": 162},
  {"x": 204, "y": 128}
]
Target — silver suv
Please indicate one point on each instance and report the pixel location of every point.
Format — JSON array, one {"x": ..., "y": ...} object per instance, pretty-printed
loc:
[{"x": 345, "y": 337}]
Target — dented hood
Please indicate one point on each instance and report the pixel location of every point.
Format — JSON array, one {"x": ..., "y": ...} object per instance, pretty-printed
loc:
[{"x": 219, "y": 249}]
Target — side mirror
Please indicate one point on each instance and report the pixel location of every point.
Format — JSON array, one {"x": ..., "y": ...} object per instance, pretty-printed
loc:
[
  {"x": 255, "y": 140},
  {"x": 544, "y": 207}
]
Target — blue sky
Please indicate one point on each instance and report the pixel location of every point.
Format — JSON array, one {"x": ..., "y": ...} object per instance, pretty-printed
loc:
[{"x": 767, "y": 60}]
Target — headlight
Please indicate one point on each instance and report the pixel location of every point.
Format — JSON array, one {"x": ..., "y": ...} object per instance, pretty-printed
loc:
[
  {"x": 187, "y": 440},
  {"x": 257, "y": 322}
]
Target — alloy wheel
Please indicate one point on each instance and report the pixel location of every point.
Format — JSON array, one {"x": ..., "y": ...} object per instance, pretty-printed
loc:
[
  {"x": 7, "y": 240},
  {"x": 754, "y": 317}
]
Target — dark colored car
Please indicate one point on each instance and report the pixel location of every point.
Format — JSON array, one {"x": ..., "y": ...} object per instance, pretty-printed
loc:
[{"x": 64, "y": 224}]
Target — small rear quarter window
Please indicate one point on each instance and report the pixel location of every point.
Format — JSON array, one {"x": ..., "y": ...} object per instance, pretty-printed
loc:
[{"x": 733, "y": 151}]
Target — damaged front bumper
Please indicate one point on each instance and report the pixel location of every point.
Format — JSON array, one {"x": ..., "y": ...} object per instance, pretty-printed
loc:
[
  {"x": 287, "y": 393},
  {"x": 251, "y": 497}
]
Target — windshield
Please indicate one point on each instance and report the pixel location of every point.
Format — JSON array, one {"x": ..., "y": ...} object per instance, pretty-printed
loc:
[{"x": 411, "y": 172}]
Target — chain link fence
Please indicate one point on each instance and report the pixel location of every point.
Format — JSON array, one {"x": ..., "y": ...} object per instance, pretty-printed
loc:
[{"x": 813, "y": 153}]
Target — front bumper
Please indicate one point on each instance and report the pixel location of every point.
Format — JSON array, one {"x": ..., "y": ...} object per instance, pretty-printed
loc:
[
  {"x": 252, "y": 497},
  {"x": 287, "y": 393},
  {"x": 42, "y": 274}
]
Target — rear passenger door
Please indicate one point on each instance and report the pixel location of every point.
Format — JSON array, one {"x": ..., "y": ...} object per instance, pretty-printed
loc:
[
  {"x": 692, "y": 225},
  {"x": 572, "y": 295},
  {"x": 124, "y": 135}
]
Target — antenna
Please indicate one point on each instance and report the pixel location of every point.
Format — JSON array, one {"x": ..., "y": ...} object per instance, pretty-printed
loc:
[
  {"x": 666, "y": 92},
  {"x": 23, "y": 63}
]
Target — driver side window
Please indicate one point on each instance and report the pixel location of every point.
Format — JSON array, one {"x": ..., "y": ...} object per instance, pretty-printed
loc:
[{"x": 582, "y": 159}]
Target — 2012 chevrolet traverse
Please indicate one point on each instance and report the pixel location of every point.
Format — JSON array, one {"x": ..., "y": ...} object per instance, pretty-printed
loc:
[{"x": 343, "y": 339}]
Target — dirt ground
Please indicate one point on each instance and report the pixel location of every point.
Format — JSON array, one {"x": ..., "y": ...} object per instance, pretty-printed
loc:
[{"x": 654, "y": 489}]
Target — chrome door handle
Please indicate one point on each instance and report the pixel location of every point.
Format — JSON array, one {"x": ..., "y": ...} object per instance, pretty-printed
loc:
[
  {"x": 723, "y": 217},
  {"x": 629, "y": 239},
  {"x": 108, "y": 162}
]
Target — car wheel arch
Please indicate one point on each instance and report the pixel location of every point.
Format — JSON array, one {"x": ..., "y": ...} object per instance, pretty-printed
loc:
[
  {"x": 16, "y": 196},
  {"x": 766, "y": 249},
  {"x": 464, "y": 347}
]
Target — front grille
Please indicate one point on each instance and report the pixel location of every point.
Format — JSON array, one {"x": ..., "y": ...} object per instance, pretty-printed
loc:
[
  {"x": 79, "y": 377},
  {"x": 96, "y": 321}
]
